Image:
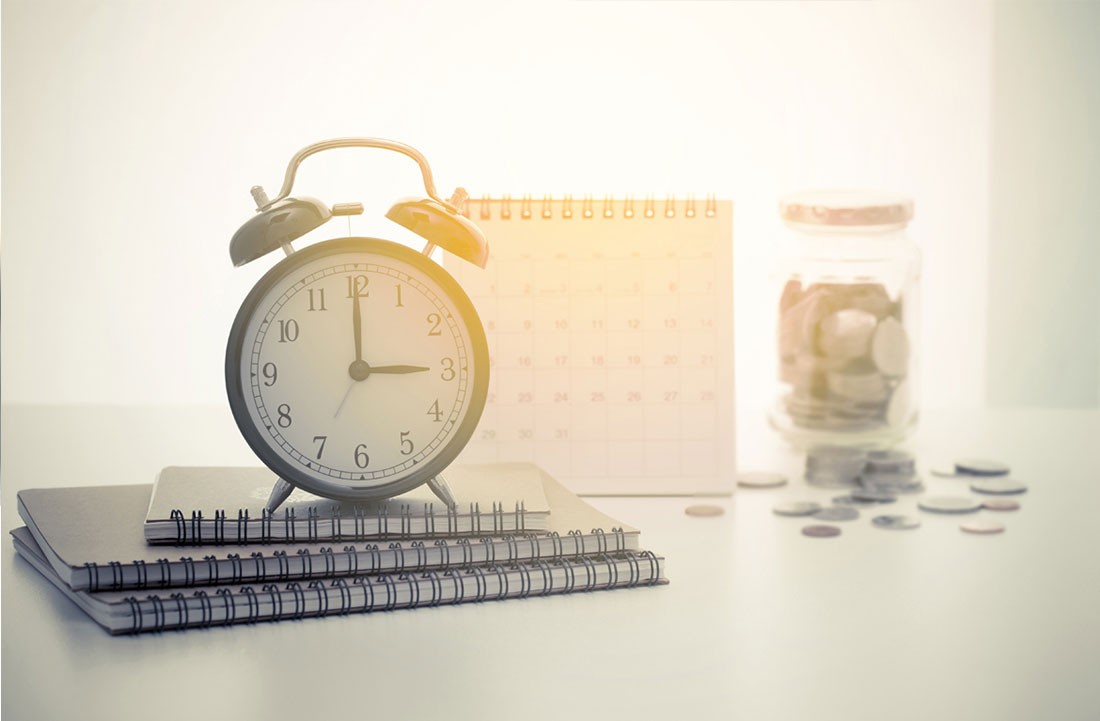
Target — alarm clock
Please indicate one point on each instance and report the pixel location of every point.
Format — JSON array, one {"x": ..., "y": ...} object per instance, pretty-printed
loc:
[{"x": 357, "y": 368}]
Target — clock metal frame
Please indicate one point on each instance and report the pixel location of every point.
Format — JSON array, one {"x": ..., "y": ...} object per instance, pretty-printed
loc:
[{"x": 479, "y": 386}]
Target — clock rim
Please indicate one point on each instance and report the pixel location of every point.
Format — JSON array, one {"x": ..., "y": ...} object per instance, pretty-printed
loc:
[{"x": 479, "y": 386}]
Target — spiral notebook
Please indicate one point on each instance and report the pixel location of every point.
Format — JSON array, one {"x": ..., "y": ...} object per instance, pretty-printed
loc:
[
  {"x": 189, "y": 505},
  {"x": 121, "y": 612},
  {"x": 610, "y": 330},
  {"x": 92, "y": 538}
]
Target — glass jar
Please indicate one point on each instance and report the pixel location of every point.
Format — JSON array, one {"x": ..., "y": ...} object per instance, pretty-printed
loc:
[{"x": 847, "y": 289}]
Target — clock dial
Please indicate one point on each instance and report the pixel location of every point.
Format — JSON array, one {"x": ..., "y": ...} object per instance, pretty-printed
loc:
[{"x": 358, "y": 368}]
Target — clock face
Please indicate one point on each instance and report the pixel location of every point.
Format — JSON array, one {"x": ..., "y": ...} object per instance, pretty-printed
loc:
[{"x": 357, "y": 369}]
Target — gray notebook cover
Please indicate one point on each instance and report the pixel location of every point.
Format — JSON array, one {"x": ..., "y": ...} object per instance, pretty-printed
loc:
[
  {"x": 92, "y": 537},
  {"x": 187, "y": 501}
]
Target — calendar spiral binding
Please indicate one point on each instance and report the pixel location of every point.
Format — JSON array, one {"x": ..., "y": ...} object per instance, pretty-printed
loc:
[
  {"x": 406, "y": 555},
  {"x": 365, "y": 524},
  {"x": 402, "y": 589},
  {"x": 589, "y": 205}
]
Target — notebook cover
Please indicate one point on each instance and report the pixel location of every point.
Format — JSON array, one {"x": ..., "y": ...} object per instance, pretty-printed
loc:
[{"x": 488, "y": 498}]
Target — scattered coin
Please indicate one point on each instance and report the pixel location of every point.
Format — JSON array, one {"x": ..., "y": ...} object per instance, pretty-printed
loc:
[
  {"x": 944, "y": 471},
  {"x": 949, "y": 504},
  {"x": 982, "y": 527},
  {"x": 853, "y": 500},
  {"x": 796, "y": 508},
  {"x": 820, "y": 531},
  {"x": 869, "y": 494},
  {"x": 998, "y": 486},
  {"x": 980, "y": 467},
  {"x": 1000, "y": 504},
  {"x": 704, "y": 510},
  {"x": 837, "y": 513},
  {"x": 896, "y": 523},
  {"x": 761, "y": 479}
]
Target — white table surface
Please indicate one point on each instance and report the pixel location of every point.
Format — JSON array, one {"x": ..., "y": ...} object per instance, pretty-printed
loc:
[{"x": 759, "y": 622}]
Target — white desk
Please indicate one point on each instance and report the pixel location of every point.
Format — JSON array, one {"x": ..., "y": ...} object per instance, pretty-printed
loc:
[{"x": 759, "y": 622}]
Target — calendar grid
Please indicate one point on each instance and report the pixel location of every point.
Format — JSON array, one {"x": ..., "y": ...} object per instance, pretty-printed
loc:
[{"x": 611, "y": 341}]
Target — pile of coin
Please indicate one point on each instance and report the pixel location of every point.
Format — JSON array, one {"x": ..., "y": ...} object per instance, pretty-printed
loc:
[
  {"x": 844, "y": 354},
  {"x": 878, "y": 474}
]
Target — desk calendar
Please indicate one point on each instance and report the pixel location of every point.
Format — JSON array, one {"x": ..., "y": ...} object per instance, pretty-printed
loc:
[{"x": 610, "y": 331}]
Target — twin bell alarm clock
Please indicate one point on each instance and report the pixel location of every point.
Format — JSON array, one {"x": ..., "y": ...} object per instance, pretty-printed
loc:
[{"x": 357, "y": 368}]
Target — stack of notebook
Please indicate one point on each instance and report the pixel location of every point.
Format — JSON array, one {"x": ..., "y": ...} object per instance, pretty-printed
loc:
[{"x": 515, "y": 532}]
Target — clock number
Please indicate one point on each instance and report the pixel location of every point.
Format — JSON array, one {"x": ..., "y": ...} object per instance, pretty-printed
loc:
[
  {"x": 435, "y": 413},
  {"x": 434, "y": 318},
  {"x": 320, "y": 450},
  {"x": 361, "y": 457},
  {"x": 406, "y": 444},
  {"x": 448, "y": 373},
  {"x": 399, "y": 303},
  {"x": 288, "y": 331},
  {"x": 284, "y": 419},
  {"x": 357, "y": 286},
  {"x": 271, "y": 374},
  {"x": 318, "y": 302}
]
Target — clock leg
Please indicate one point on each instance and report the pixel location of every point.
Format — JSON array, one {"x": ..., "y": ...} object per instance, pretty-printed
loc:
[
  {"x": 279, "y": 494},
  {"x": 442, "y": 490}
]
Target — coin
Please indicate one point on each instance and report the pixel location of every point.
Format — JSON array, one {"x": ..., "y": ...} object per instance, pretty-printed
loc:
[
  {"x": 981, "y": 467},
  {"x": 998, "y": 486},
  {"x": 820, "y": 531},
  {"x": 846, "y": 333},
  {"x": 890, "y": 347},
  {"x": 898, "y": 410},
  {"x": 943, "y": 470},
  {"x": 869, "y": 494},
  {"x": 760, "y": 479},
  {"x": 896, "y": 523},
  {"x": 982, "y": 527},
  {"x": 852, "y": 500},
  {"x": 796, "y": 508},
  {"x": 837, "y": 513},
  {"x": 704, "y": 510},
  {"x": 948, "y": 504},
  {"x": 1000, "y": 504}
]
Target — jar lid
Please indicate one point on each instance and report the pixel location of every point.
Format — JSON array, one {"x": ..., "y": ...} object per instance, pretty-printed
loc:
[{"x": 846, "y": 208}]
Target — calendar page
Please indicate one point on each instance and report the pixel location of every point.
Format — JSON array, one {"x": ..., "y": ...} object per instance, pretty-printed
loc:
[{"x": 610, "y": 330}]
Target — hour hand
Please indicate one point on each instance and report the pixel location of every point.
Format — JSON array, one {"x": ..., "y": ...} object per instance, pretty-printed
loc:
[{"x": 395, "y": 370}]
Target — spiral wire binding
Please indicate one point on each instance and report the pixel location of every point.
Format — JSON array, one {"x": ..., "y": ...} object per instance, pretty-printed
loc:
[
  {"x": 397, "y": 557},
  {"x": 588, "y": 211},
  {"x": 159, "y": 616}
]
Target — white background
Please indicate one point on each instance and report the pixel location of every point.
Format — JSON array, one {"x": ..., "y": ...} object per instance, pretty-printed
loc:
[{"x": 132, "y": 133}]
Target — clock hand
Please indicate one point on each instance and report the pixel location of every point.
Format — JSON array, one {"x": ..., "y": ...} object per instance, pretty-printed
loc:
[
  {"x": 344, "y": 399},
  {"x": 358, "y": 370},
  {"x": 399, "y": 369}
]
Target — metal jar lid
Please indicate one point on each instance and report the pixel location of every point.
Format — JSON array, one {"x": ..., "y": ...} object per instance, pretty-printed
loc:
[{"x": 846, "y": 208}]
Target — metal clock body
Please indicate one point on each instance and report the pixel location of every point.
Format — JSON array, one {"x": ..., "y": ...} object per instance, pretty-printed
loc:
[{"x": 357, "y": 369}]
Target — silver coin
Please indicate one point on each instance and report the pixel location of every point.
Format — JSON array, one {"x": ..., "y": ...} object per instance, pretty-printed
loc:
[
  {"x": 874, "y": 495},
  {"x": 761, "y": 479},
  {"x": 896, "y": 523},
  {"x": 1000, "y": 504},
  {"x": 981, "y": 467},
  {"x": 949, "y": 504},
  {"x": 943, "y": 470},
  {"x": 853, "y": 501},
  {"x": 998, "y": 486},
  {"x": 704, "y": 510},
  {"x": 982, "y": 527},
  {"x": 890, "y": 348},
  {"x": 796, "y": 508},
  {"x": 837, "y": 513},
  {"x": 889, "y": 456},
  {"x": 820, "y": 531}
]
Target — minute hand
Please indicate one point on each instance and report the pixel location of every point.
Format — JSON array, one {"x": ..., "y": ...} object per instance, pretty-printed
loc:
[{"x": 399, "y": 369}]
